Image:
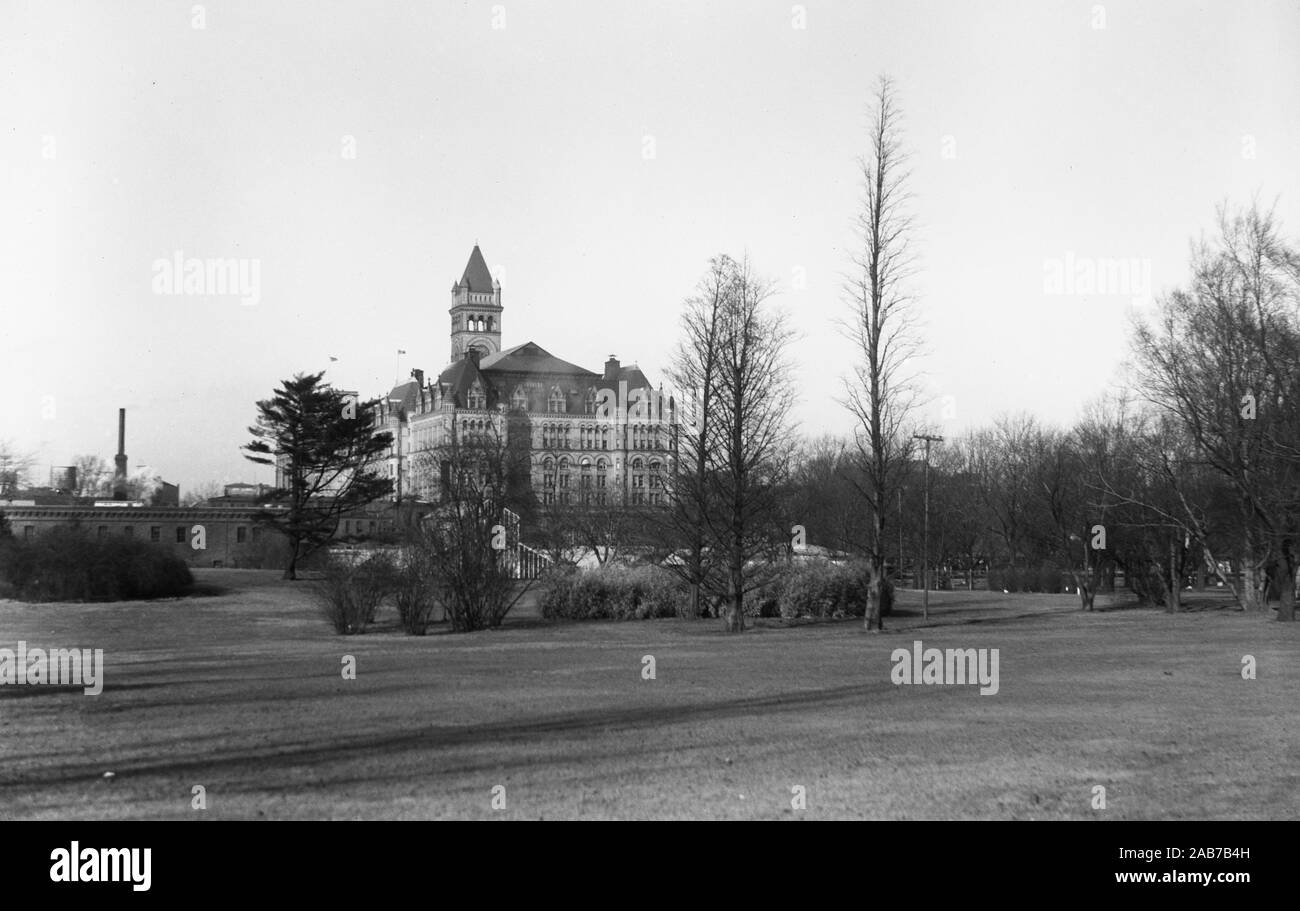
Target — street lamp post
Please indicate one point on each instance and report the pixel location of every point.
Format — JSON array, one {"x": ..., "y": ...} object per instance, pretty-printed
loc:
[{"x": 925, "y": 566}]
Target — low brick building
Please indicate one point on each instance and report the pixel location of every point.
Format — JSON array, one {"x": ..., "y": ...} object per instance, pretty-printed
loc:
[{"x": 224, "y": 535}]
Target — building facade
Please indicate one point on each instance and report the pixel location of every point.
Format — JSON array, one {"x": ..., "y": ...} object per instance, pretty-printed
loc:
[
  {"x": 605, "y": 438},
  {"x": 223, "y": 532}
]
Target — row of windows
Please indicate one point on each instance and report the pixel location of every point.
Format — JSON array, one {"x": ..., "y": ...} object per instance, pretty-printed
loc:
[
  {"x": 350, "y": 527},
  {"x": 598, "y": 498},
  {"x": 473, "y": 323},
  {"x": 637, "y": 464},
  {"x": 155, "y": 532},
  {"x": 561, "y": 436},
  {"x": 586, "y": 498}
]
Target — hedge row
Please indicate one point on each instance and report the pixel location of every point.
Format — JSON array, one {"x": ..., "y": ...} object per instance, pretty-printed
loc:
[
  {"x": 614, "y": 593},
  {"x": 821, "y": 590},
  {"x": 66, "y": 564},
  {"x": 647, "y": 592}
]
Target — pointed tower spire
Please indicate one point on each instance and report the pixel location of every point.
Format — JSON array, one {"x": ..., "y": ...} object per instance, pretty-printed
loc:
[
  {"x": 475, "y": 309},
  {"x": 477, "y": 277}
]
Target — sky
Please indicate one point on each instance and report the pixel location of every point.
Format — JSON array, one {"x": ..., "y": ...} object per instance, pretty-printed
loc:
[{"x": 349, "y": 155}]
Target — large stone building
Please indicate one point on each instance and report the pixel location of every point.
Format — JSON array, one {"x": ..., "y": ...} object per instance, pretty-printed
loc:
[{"x": 593, "y": 438}]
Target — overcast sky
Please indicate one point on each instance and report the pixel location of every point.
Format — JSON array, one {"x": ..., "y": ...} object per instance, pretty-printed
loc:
[{"x": 599, "y": 153}]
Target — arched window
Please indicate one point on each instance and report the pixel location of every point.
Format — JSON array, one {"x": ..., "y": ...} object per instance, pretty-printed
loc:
[
  {"x": 564, "y": 480},
  {"x": 590, "y": 402},
  {"x": 638, "y": 481},
  {"x": 548, "y": 481},
  {"x": 601, "y": 467},
  {"x": 556, "y": 401},
  {"x": 489, "y": 324},
  {"x": 519, "y": 399}
]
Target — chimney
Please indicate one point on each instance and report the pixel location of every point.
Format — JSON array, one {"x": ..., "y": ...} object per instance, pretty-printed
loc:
[
  {"x": 611, "y": 369},
  {"x": 119, "y": 460},
  {"x": 474, "y": 352},
  {"x": 418, "y": 376}
]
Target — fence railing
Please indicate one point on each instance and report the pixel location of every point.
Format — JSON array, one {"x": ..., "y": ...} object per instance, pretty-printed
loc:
[{"x": 526, "y": 563}]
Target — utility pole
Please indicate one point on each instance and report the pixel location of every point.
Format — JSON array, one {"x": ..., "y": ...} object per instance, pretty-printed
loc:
[
  {"x": 900, "y": 535},
  {"x": 925, "y": 568}
]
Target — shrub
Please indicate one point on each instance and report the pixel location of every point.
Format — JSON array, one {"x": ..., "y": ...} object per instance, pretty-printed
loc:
[
  {"x": 830, "y": 590},
  {"x": 415, "y": 592},
  {"x": 804, "y": 591},
  {"x": 613, "y": 593},
  {"x": 350, "y": 593},
  {"x": 66, "y": 564}
]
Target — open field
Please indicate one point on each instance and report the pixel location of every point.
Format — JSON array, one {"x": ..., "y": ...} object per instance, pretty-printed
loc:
[{"x": 240, "y": 691}]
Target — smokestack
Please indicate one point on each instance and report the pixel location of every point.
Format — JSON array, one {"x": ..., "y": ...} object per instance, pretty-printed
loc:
[{"x": 119, "y": 460}]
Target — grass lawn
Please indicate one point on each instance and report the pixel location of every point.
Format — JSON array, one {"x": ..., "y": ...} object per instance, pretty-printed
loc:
[{"x": 240, "y": 690}]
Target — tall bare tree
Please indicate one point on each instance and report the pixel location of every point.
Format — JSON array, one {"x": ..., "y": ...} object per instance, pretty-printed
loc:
[
  {"x": 881, "y": 393},
  {"x": 694, "y": 371},
  {"x": 755, "y": 393},
  {"x": 726, "y": 497}
]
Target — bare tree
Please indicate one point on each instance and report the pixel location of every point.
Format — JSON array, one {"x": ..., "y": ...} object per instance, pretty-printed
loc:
[
  {"x": 881, "y": 394},
  {"x": 467, "y": 543},
  {"x": 726, "y": 497},
  {"x": 200, "y": 493},
  {"x": 821, "y": 494},
  {"x": 1223, "y": 359},
  {"x": 755, "y": 393},
  {"x": 93, "y": 475},
  {"x": 694, "y": 371},
  {"x": 15, "y": 468}
]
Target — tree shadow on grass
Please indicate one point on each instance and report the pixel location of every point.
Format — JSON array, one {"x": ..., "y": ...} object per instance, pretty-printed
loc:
[{"x": 496, "y": 736}]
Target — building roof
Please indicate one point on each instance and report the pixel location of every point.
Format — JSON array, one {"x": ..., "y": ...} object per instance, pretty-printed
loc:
[
  {"x": 406, "y": 395},
  {"x": 530, "y": 358},
  {"x": 477, "y": 277},
  {"x": 632, "y": 375},
  {"x": 456, "y": 379}
]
